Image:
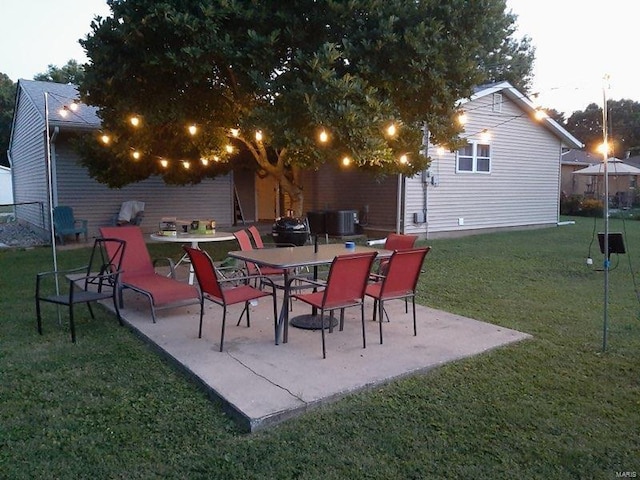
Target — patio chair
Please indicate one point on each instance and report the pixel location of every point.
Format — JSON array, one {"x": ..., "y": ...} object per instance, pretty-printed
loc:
[
  {"x": 395, "y": 241},
  {"x": 96, "y": 281},
  {"x": 65, "y": 224},
  {"x": 252, "y": 269},
  {"x": 400, "y": 281},
  {"x": 131, "y": 213},
  {"x": 344, "y": 288},
  {"x": 214, "y": 290},
  {"x": 139, "y": 274}
]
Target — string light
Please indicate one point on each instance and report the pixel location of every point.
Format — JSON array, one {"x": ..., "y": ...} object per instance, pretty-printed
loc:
[
  {"x": 346, "y": 161},
  {"x": 540, "y": 114},
  {"x": 105, "y": 139},
  {"x": 134, "y": 120},
  {"x": 235, "y": 132},
  {"x": 136, "y": 155},
  {"x": 186, "y": 164},
  {"x": 324, "y": 136},
  {"x": 258, "y": 136},
  {"x": 164, "y": 163},
  {"x": 193, "y": 129},
  {"x": 485, "y": 135},
  {"x": 204, "y": 161},
  {"x": 392, "y": 130},
  {"x": 229, "y": 148},
  {"x": 463, "y": 118},
  {"x": 440, "y": 151},
  {"x": 404, "y": 159},
  {"x": 603, "y": 148}
]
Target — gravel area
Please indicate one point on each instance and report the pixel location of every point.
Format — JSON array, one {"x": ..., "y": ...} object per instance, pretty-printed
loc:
[{"x": 15, "y": 234}]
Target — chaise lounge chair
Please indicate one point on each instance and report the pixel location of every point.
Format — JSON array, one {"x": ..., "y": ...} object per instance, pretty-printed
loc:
[{"x": 138, "y": 273}]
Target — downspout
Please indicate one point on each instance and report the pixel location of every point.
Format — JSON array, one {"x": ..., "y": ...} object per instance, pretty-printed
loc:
[
  {"x": 399, "y": 207},
  {"x": 54, "y": 185}
]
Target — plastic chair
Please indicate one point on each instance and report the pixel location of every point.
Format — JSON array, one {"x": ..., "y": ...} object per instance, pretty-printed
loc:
[
  {"x": 211, "y": 289},
  {"x": 345, "y": 287},
  {"x": 96, "y": 281},
  {"x": 66, "y": 224},
  {"x": 139, "y": 273},
  {"x": 400, "y": 281}
]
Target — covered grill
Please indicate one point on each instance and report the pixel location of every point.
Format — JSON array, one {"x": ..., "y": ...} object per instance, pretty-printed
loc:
[{"x": 290, "y": 231}]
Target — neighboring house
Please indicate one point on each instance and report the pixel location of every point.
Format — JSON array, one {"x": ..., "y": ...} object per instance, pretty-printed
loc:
[
  {"x": 510, "y": 179},
  {"x": 6, "y": 188},
  {"x": 573, "y": 160},
  {"x": 71, "y": 184}
]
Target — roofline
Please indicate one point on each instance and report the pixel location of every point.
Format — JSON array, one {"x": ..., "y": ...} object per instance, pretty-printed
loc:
[{"x": 527, "y": 105}]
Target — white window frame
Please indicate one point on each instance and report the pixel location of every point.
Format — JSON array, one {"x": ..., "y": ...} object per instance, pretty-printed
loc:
[
  {"x": 497, "y": 102},
  {"x": 474, "y": 158}
]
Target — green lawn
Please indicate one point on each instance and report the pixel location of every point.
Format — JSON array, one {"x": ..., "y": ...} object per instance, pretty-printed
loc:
[{"x": 555, "y": 407}]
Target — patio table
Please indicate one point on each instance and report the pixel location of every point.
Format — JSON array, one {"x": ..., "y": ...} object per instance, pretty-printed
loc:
[
  {"x": 290, "y": 258},
  {"x": 194, "y": 239}
]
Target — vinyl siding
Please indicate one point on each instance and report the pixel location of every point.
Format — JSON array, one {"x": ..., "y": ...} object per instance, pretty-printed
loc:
[
  {"x": 28, "y": 165},
  {"x": 521, "y": 190},
  {"x": 95, "y": 202}
]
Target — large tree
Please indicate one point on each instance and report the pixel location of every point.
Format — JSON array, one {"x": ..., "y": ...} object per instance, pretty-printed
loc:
[
  {"x": 72, "y": 72},
  {"x": 7, "y": 104},
  {"x": 262, "y": 80},
  {"x": 623, "y": 127}
]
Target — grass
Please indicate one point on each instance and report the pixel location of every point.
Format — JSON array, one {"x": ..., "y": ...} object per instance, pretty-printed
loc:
[{"x": 554, "y": 407}]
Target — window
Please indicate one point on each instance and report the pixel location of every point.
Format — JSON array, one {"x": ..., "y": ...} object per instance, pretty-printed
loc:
[
  {"x": 497, "y": 102},
  {"x": 474, "y": 157}
]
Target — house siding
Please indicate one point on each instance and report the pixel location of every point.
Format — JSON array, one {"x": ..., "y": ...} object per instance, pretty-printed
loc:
[
  {"x": 521, "y": 190},
  {"x": 28, "y": 165},
  {"x": 95, "y": 202}
]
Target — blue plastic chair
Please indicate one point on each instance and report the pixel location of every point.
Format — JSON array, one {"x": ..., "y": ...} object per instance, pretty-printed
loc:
[{"x": 66, "y": 224}]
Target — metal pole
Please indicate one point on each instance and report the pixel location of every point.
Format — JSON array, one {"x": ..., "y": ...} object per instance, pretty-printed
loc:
[
  {"x": 50, "y": 187},
  {"x": 605, "y": 153}
]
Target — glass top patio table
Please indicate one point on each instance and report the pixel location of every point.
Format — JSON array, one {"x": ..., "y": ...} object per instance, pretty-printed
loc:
[{"x": 289, "y": 258}]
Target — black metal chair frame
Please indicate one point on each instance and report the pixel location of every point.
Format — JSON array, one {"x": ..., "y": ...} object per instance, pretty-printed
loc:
[{"x": 96, "y": 281}]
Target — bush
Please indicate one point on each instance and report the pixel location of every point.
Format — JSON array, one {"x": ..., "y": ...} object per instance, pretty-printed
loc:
[{"x": 580, "y": 206}]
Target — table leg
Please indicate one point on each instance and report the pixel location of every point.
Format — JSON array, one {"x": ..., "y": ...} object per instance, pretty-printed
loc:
[{"x": 194, "y": 244}]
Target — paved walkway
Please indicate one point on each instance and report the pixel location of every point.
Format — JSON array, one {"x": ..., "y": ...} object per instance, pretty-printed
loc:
[{"x": 262, "y": 384}]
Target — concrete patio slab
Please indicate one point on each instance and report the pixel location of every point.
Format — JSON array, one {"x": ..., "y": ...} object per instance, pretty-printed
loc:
[{"x": 262, "y": 384}]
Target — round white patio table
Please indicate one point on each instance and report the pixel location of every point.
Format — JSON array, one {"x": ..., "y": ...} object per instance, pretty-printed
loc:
[{"x": 194, "y": 239}]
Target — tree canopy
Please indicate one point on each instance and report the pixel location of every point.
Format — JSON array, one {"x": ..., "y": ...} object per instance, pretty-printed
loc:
[
  {"x": 623, "y": 127},
  {"x": 263, "y": 80},
  {"x": 71, "y": 73},
  {"x": 7, "y": 104}
]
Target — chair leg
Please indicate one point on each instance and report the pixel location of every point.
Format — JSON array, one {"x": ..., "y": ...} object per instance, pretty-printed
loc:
[
  {"x": 72, "y": 324},
  {"x": 324, "y": 350},
  {"x": 375, "y": 309},
  {"x": 201, "y": 315},
  {"x": 38, "y": 316},
  {"x": 341, "y": 319},
  {"x": 245, "y": 309},
  {"x": 115, "y": 305},
  {"x": 415, "y": 329},
  {"x": 364, "y": 337},
  {"x": 224, "y": 319},
  {"x": 381, "y": 313},
  {"x": 275, "y": 317},
  {"x": 90, "y": 310}
]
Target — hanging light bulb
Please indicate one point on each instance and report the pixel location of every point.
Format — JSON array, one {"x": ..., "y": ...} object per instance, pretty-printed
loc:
[
  {"x": 105, "y": 139},
  {"x": 462, "y": 118},
  {"x": 164, "y": 163},
  {"x": 216, "y": 158},
  {"x": 235, "y": 132},
  {"x": 134, "y": 120},
  {"x": 74, "y": 106},
  {"x": 324, "y": 136},
  {"x": 392, "y": 130},
  {"x": 186, "y": 164},
  {"x": 346, "y": 161},
  {"x": 440, "y": 151},
  {"x": 193, "y": 129},
  {"x": 485, "y": 135},
  {"x": 62, "y": 112},
  {"x": 204, "y": 161},
  {"x": 258, "y": 136},
  {"x": 229, "y": 148},
  {"x": 404, "y": 159},
  {"x": 603, "y": 148},
  {"x": 540, "y": 114},
  {"x": 136, "y": 154}
]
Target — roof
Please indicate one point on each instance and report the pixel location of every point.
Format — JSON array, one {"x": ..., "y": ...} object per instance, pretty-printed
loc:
[
  {"x": 59, "y": 96},
  {"x": 579, "y": 157},
  {"x": 527, "y": 106}
]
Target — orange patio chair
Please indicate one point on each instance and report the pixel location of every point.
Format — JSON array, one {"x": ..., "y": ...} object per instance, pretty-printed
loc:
[
  {"x": 399, "y": 282},
  {"x": 345, "y": 287},
  {"x": 138, "y": 273},
  {"x": 212, "y": 289}
]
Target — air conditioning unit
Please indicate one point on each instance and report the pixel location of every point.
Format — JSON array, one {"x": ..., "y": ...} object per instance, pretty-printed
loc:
[{"x": 341, "y": 222}]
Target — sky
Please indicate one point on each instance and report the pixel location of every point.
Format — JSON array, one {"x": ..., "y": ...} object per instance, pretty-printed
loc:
[{"x": 577, "y": 43}]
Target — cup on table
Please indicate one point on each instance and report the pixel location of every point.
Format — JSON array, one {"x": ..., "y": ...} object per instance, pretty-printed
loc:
[{"x": 350, "y": 245}]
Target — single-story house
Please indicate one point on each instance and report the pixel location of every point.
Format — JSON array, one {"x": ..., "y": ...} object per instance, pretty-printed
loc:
[
  {"x": 508, "y": 180},
  {"x": 573, "y": 160}
]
